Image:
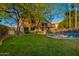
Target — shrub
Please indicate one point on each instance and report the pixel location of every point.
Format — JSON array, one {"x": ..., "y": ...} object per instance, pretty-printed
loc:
[{"x": 3, "y": 30}]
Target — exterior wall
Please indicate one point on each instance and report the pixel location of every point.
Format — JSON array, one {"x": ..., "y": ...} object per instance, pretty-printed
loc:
[
  {"x": 25, "y": 24},
  {"x": 52, "y": 27},
  {"x": 11, "y": 32},
  {"x": 39, "y": 27}
]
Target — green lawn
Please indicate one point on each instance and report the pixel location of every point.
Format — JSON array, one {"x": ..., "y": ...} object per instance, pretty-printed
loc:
[{"x": 40, "y": 45}]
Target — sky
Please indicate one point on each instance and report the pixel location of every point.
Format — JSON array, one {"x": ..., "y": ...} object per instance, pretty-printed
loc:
[
  {"x": 57, "y": 13},
  {"x": 54, "y": 15},
  {"x": 8, "y": 22}
]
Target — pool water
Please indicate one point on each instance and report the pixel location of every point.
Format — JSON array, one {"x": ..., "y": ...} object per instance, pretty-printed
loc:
[{"x": 71, "y": 35}]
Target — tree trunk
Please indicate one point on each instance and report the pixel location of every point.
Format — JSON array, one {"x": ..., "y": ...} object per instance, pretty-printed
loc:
[
  {"x": 76, "y": 17},
  {"x": 18, "y": 25},
  {"x": 18, "y": 28},
  {"x": 69, "y": 15}
]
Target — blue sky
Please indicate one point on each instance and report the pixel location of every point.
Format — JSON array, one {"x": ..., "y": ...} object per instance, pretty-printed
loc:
[
  {"x": 57, "y": 14},
  {"x": 8, "y": 22}
]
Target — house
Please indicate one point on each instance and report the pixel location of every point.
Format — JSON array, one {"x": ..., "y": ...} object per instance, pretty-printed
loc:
[
  {"x": 40, "y": 28},
  {"x": 25, "y": 26}
]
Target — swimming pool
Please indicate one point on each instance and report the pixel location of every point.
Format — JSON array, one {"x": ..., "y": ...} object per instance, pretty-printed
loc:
[
  {"x": 64, "y": 35},
  {"x": 71, "y": 35}
]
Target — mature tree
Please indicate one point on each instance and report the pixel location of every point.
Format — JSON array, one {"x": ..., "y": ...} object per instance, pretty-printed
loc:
[{"x": 22, "y": 11}]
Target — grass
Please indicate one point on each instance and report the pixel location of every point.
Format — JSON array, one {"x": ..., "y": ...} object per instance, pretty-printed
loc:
[{"x": 38, "y": 45}]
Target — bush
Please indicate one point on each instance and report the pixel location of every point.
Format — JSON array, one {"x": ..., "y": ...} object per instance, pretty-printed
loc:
[{"x": 3, "y": 30}]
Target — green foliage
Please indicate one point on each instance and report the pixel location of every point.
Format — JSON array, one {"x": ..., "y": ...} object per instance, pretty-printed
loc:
[
  {"x": 3, "y": 10},
  {"x": 65, "y": 22},
  {"x": 24, "y": 11},
  {"x": 3, "y": 28}
]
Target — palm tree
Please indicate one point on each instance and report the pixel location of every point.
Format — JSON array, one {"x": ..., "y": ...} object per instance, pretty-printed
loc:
[
  {"x": 69, "y": 15},
  {"x": 76, "y": 16}
]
